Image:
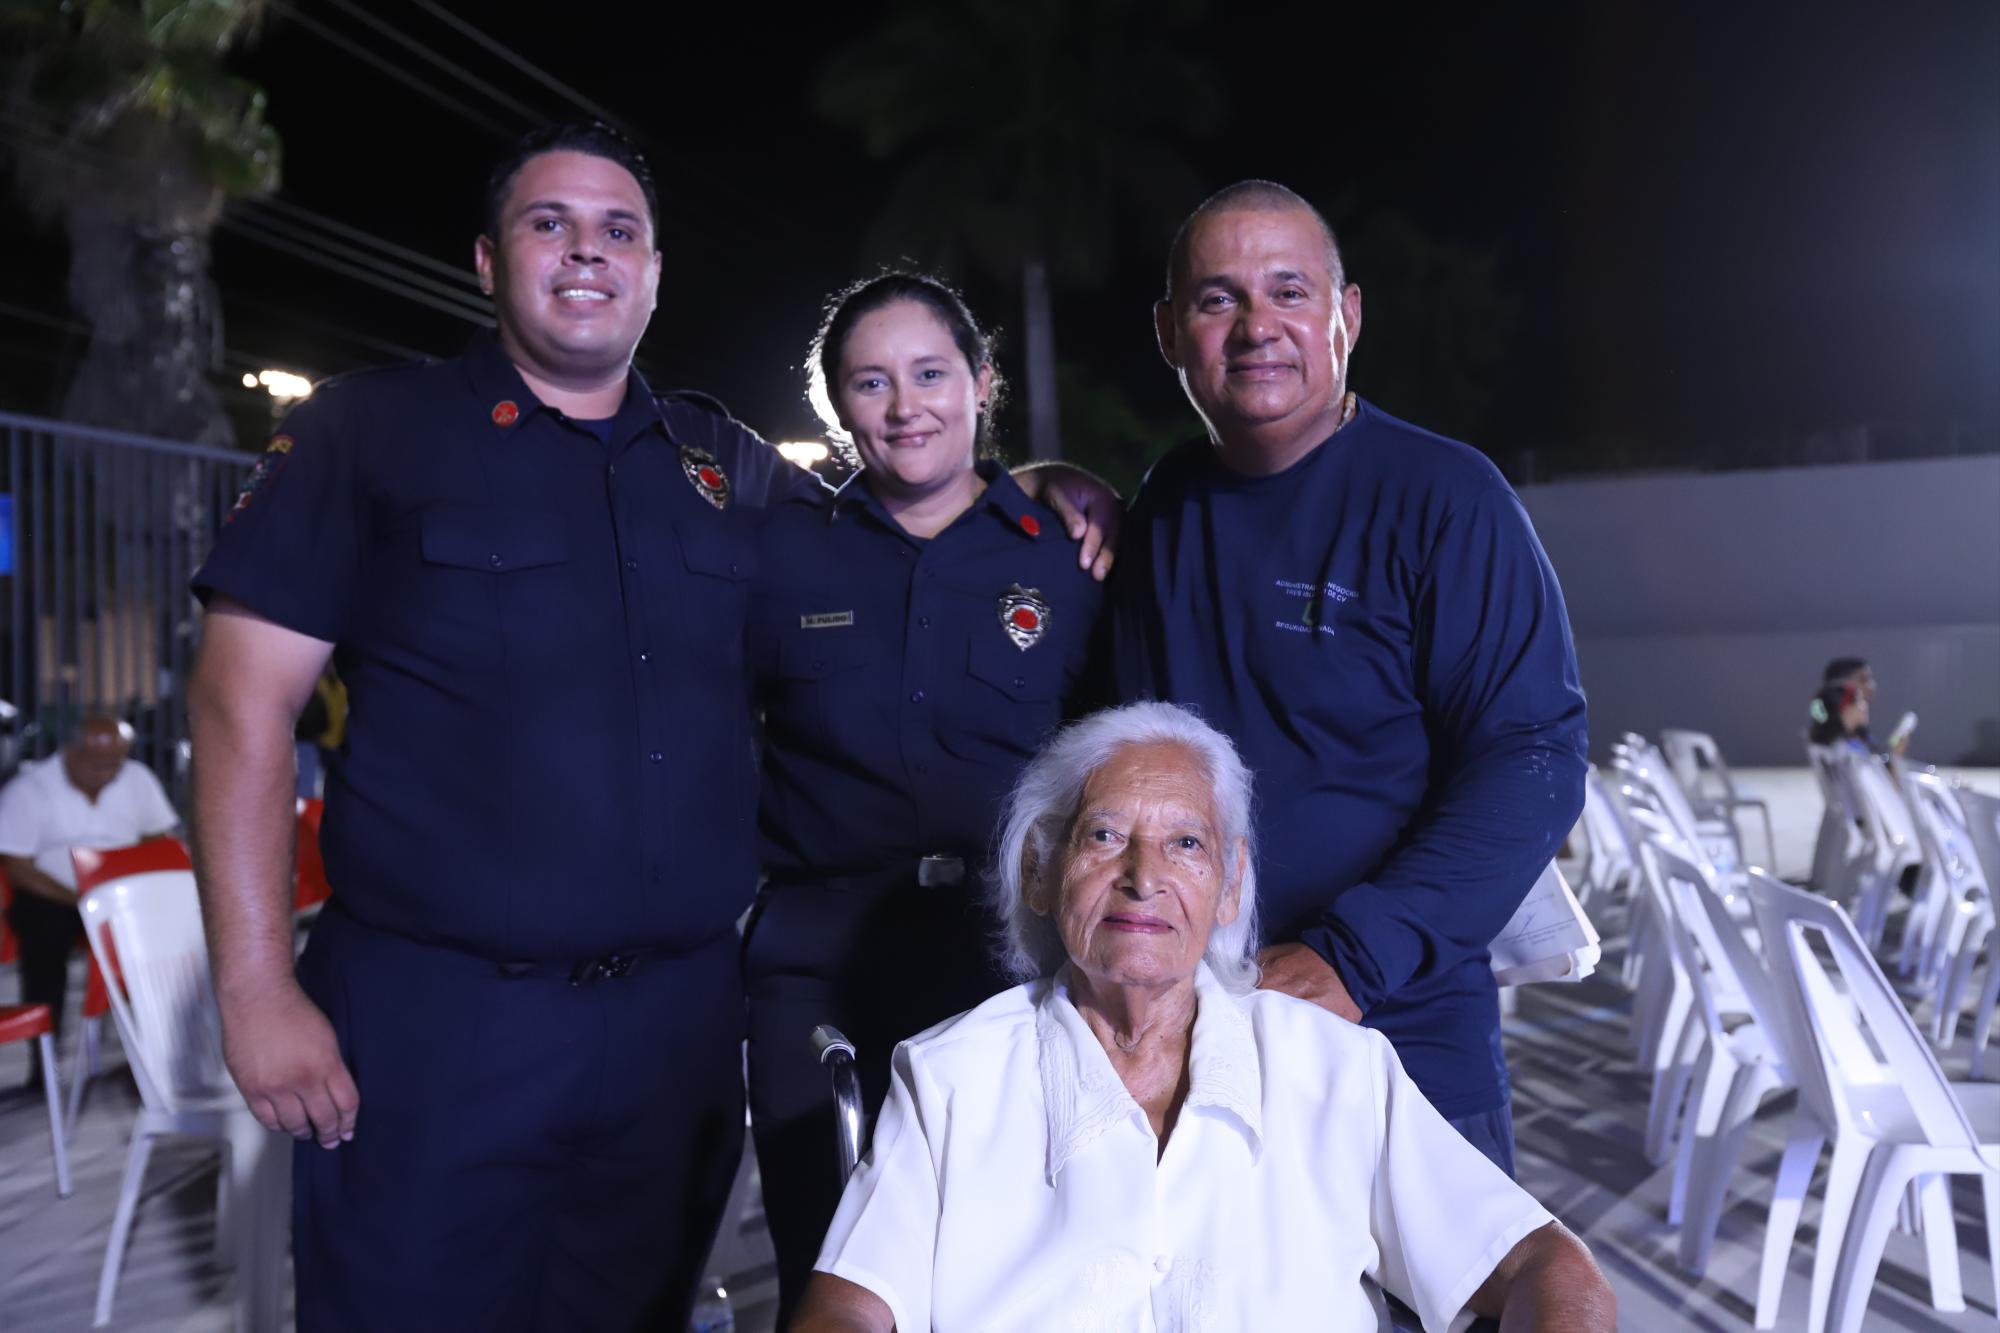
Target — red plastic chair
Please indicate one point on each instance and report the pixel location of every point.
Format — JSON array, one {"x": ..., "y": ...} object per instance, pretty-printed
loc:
[
  {"x": 309, "y": 886},
  {"x": 31, "y": 1022},
  {"x": 92, "y": 869}
]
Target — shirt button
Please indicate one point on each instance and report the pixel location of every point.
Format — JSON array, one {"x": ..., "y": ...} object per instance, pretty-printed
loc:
[
  {"x": 645, "y": 657},
  {"x": 732, "y": 567},
  {"x": 656, "y": 756},
  {"x": 612, "y": 468},
  {"x": 631, "y": 564},
  {"x": 1020, "y": 682},
  {"x": 916, "y": 696},
  {"x": 494, "y": 560},
  {"x": 923, "y": 622}
]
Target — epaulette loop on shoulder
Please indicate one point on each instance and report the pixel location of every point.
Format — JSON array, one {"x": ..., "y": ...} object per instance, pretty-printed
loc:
[{"x": 695, "y": 398}]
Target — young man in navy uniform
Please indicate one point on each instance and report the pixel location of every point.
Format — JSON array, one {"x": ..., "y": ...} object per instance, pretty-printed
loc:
[
  {"x": 1364, "y": 608},
  {"x": 531, "y": 572}
]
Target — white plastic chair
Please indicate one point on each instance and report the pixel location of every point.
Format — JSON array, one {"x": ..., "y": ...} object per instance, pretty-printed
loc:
[
  {"x": 1888, "y": 845},
  {"x": 1737, "y": 1067},
  {"x": 144, "y": 928},
  {"x": 1837, "y": 825},
  {"x": 1892, "y": 1117},
  {"x": 1697, "y": 762},
  {"x": 1981, "y": 939},
  {"x": 1952, "y": 890},
  {"x": 1608, "y": 865}
]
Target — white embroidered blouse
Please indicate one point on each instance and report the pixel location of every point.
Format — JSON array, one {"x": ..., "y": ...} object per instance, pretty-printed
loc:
[{"x": 1015, "y": 1184}]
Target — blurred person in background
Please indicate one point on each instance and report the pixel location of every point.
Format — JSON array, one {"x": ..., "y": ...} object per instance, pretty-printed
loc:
[
  {"x": 913, "y": 636},
  {"x": 90, "y": 794},
  {"x": 1841, "y": 710}
]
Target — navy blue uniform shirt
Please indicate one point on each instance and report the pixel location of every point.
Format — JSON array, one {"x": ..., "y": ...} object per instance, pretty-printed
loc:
[
  {"x": 1379, "y": 631},
  {"x": 905, "y": 681},
  {"x": 549, "y": 751}
]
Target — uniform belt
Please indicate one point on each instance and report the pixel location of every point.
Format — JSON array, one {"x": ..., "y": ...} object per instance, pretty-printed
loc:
[
  {"x": 928, "y": 872},
  {"x": 585, "y": 972},
  {"x": 936, "y": 872}
]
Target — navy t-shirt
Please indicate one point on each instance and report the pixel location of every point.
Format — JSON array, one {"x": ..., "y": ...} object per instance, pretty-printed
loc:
[
  {"x": 905, "y": 681},
  {"x": 549, "y": 751},
  {"x": 1380, "y": 632}
]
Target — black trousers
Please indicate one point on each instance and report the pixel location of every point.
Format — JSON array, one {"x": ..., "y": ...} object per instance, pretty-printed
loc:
[
  {"x": 530, "y": 1154},
  {"x": 879, "y": 961},
  {"x": 46, "y": 931}
]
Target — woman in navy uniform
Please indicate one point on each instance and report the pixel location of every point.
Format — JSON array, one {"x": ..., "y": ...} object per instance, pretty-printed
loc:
[{"x": 914, "y": 635}]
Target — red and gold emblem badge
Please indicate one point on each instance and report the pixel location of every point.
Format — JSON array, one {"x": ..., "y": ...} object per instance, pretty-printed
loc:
[
  {"x": 505, "y": 413},
  {"x": 1024, "y": 614},
  {"x": 706, "y": 475}
]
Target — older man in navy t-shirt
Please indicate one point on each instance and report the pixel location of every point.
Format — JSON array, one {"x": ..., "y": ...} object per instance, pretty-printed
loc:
[{"x": 1365, "y": 609}]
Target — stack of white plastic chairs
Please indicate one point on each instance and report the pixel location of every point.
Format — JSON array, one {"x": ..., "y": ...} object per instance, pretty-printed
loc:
[
  {"x": 1704, "y": 775},
  {"x": 1731, "y": 1007}
]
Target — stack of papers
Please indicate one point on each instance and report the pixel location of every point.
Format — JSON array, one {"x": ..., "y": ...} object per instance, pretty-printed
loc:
[{"x": 1549, "y": 939}]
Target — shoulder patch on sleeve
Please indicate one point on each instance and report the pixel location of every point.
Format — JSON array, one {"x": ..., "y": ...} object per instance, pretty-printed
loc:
[{"x": 268, "y": 465}]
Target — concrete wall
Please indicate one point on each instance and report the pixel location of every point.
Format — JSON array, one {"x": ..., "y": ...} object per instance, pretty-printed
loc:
[{"x": 1714, "y": 601}]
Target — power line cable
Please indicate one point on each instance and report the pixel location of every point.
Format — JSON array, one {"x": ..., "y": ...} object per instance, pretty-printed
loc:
[
  {"x": 525, "y": 66},
  {"x": 459, "y": 72},
  {"x": 395, "y": 72},
  {"x": 656, "y": 150},
  {"x": 399, "y": 286},
  {"x": 274, "y": 204},
  {"x": 259, "y": 227},
  {"x": 277, "y": 214},
  {"x": 279, "y": 235}
]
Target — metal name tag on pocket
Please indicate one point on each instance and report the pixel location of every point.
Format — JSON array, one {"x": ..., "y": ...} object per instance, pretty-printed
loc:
[{"x": 827, "y": 620}]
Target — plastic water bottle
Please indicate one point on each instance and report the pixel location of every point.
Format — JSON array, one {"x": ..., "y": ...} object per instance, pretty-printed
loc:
[{"x": 711, "y": 1309}]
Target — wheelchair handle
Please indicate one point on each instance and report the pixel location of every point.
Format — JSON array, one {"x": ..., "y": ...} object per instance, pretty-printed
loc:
[{"x": 836, "y": 1052}]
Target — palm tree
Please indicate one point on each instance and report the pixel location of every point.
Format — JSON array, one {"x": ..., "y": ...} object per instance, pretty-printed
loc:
[
  {"x": 125, "y": 126},
  {"x": 1027, "y": 134}
]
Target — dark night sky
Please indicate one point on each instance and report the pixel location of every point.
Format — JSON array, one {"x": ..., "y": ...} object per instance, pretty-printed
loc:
[{"x": 1710, "y": 224}]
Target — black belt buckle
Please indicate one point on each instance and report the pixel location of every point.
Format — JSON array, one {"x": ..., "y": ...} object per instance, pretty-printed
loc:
[
  {"x": 938, "y": 872},
  {"x": 608, "y": 968}
]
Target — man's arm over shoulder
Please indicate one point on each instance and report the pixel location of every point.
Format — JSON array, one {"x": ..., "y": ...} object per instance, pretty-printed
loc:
[{"x": 1496, "y": 669}]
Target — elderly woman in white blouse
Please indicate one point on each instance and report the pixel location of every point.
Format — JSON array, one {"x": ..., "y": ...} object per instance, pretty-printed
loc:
[{"x": 1139, "y": 1139}]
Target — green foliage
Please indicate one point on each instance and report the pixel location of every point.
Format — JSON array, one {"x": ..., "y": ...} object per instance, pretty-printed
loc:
[
  {"x": 137, "y": 90},
  {"x": 1025, "y": 130},
  {"x": 1105, "y": 433},
  {"x": 1436, "y": 324}
]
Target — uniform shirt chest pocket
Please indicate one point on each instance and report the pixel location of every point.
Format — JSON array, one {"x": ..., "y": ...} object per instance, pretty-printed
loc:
[
  {"x": 492, "y": 582},
  {"x": 835, "y": 683},
  {"x": 1011, "y": 701},
  {"x": 719, "y": 559}
]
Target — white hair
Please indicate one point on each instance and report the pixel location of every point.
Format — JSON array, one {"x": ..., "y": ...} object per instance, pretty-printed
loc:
[{"x": 1038, "y": 813}]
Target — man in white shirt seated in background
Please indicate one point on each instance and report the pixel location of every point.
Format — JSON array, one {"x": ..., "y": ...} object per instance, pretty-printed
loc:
[{"x": 91, "y": 794}]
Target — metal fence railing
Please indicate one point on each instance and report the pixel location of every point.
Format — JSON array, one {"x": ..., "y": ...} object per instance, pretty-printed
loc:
[{"x": 99, "y": 533}]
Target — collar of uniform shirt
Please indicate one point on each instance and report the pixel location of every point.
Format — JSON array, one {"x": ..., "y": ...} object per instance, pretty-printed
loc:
[
  {"x": 496, "y": 381},
  {"x": 1002, "y": 492}
]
